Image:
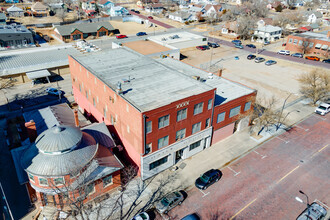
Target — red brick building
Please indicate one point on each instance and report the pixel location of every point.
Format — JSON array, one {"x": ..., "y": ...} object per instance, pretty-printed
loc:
[
  {"x": 309, "y": 43},
  {"x": 82, "y": 31},
  {"x": 162, "y": 110}
]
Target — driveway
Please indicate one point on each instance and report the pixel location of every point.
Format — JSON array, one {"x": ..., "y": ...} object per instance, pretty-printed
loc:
[{"x": 264, "y": 184}]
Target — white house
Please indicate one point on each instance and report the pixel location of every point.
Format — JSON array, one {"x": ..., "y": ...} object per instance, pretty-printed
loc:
[
  {"x": 156, "y": 8},
  {"x": 212, "y": 9},
  {"x": 118, "y": 11},
  {"x": 14, "y": 11},
  {"x": 267, "y": 33},
  {"x": 181, "y": 16},
  {"x": 313, "y": 16}
]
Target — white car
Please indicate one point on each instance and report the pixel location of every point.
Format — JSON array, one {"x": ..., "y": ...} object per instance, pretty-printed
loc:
[
  {"x": 284, "y": 52},
  {"x": 323, "y": 109},
  {"x": 141, "y": 216}
]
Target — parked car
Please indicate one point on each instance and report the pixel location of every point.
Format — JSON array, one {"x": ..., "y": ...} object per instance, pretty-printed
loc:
[
  {"x": 193, "y": 216},
  {"x": 270, "y": 62},
  {"x": 208, "y": 178},
  {"x": 283, "y": 45},
  {"x": 236, "y": 42},
  {"x": 259, "y": 59},
  {"x": 137, "y": 12},
  {"x": 203, "y": 47},
  {"x": 141, "y": 216},
  {"x": 41, "y": 80},
  {"x": 300, "y": 55},
  {"x": 120, "y": 36},
  {"x": 326, "y": 61},
  {"x": 312, "y": 58},
  {"x": 239, "y": 46},
  {"x": 53, "y": 91},
  {"x": 314, "y": 211},
  {"x": 266, "y": 42},
  {"x": 284, "y": 52},
  {"x": 141, "y": 33},
  {"x": 323, "y": 108},
  {"x": 169, "y": 201},
  {"x": 150, "y": 17},
  {"x": 251, "y": 56},
  {"x": 251, "y": 45},
  {"x": 214, "y": 45}
]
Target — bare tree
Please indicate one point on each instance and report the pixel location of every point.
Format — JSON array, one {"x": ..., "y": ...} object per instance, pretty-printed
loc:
[
  {"x": 305, "y": 46},
  {"x": 257, "y": 8},
  {"x": 315, "y": 85},
  {"x": 312, "y": 4},
  {"x": 6, "y": 83},
  {"x": 61, "y": 13},
  {"x": 246, "y": 25}
]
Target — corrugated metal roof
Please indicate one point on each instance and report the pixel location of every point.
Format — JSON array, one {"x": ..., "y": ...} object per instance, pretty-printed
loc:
[
  {"x": 152, "y": 84},
  {"x": 58, "y": 138},
  {"x": 85, "y": 27},
  {"x": 100, "y": 133}
]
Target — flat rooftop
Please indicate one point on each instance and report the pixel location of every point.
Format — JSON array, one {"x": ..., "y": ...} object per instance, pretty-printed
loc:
[
  {"x": 146, "y": 47},
  {"x": 168, "y": 38},
  {"x": 34, "y": 59},
  {"x": 312, "y": 35},
  {"x": 152, "y": 84},
  {"x": 227, "y": 90},
  {"x": 14, "y": 29}
]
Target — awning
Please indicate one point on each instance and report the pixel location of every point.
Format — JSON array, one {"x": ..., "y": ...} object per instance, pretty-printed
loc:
[
  {"x": 324, "y": 47},
  {"x": 318, "y": 46},
  {"x": 38, "y": 74}
]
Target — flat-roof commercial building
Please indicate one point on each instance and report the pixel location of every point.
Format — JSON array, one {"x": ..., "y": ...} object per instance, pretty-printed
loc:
[
  {"x": 161, "y": 109},
  {"x": 309, "y": 43},
  {"x": 15, "y": 36}
]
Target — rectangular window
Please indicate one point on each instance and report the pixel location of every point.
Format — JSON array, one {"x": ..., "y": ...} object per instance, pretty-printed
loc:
[
  {"x": 311, "y": 44},
  {"x": 79, "y": 87},
  {"x": 31, "y": 177},
  {"x": 221, "y": 117},
  {"x": 157, "y": 163},
  {"x": 107, "y": 181},
  {"x": 196, "y": 127},
  {"x": 209, "y": 104},
  {"x": 148, "y": 148},
  {"x": 90, "y": 188},
  {"x": 149, "y": 127},
  {"x": 295, "y": 41},
  {"x": 86, "y": 94},
  {"x": 105, "y": 113},
  {"x": 58, "y": 181},
  {"x": 43, "y": 181},
  {"x": 300, "y": 43},
  {"x": 247, "y": 106},
  {"x": 127, "y": 129},
  {"x": 195, "y": 145},
  {"x": 198, "y": 108},
  {"x": 207, "y": 122},
  {"x": 234, "y": 111},
  {"x": 181, "y": 114},
  {"x": 162, "y": 142},
  {"x": 290, "y": 40},
  {"x": 163, "y": 121},
  {"x": 94, "y": 103},
  {"x": 180, "y": 134}
]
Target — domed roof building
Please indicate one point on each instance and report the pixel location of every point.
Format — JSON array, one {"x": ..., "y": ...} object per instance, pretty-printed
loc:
[{"x": 66, "y": 163}]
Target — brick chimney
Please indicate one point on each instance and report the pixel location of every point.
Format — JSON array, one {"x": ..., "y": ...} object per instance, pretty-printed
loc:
[
  {"x": 76, "y": 120},
  {"x": 218, "y": 73},
  {"x": 31, "y": 130}
]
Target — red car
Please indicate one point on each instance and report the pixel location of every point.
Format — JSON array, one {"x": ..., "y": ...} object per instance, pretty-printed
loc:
[
  {"x": 203, "y": 47},
  {"x": 312, "y": 58},
  {"x": 121, "y": 36},
  {"x": 150, "y": 17}
]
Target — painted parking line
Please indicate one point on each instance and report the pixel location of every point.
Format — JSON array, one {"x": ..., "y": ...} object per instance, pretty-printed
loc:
[
  {"x": 235, "y": 173},
  {"x": 319, "y": 150},
  {"x": 306, "y": 129},
  {"x": 243, "y": 209},
  {"x": 282, "y": 140},
  {"x": 287, "y": 174},
  {"x": 262, "y": 156},
  {"x": 204, "y": 194},
  {"x": 320, "y": 117}
]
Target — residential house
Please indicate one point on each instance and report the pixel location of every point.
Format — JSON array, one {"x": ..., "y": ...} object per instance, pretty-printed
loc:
[
  {"x": 88, "y": 5},
  {"x": 118, "y": 11},
  {"x": 3, "y": 19},
  {"x": 230, "y": 28},
  {"x": 140, "y": 4},
  {"x": 66, "y": 160},
  {"x": 83, "y": 30},
  {"x": 313, "y": 16},
  {"x": 38, "y": 9},
  {"x": 181, "y": 16},
  {"x": 14, "y": 11},
  {"x": 310, "y": 43},
  {"x": 156, "y": 8},
  {"x": 105, "y": 4},
  {"x": 15, "y": 36},
  {"x": 212, "y": 10},
  {"x": 265, "y": 33},
  {"x": 161, "y": 111},
  {"x": 12, "y": 1}
]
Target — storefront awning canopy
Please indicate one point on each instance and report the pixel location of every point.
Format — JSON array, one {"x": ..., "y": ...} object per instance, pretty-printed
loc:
[
  {"x": 318, "y": 46},
  {"x": 324, "y": 47},
  {"x": 38, "y": 74}
]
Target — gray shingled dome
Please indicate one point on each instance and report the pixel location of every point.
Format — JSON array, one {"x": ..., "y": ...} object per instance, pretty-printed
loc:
[{"x": 58, "y": 139}]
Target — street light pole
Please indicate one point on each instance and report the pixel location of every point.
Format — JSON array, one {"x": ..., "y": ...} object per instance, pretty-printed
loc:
[{"x": 306, "y": 197}]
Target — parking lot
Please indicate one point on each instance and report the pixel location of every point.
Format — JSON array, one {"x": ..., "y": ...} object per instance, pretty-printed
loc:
[{"x": 278, "y": 80}]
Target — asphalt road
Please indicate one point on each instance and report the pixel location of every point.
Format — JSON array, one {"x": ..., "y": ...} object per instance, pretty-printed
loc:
[
  {"x": 274, "y": 54},
  {"x": 264, "y": 184}
]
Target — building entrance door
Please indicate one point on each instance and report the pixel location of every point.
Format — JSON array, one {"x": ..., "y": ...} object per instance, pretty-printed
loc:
[{"x": 179, "y": 155}]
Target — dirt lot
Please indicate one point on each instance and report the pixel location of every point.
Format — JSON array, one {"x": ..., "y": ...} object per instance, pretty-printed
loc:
[
  {"x": 278, "y": 80},
  {"x": 47, "y": 19},
  {"x": 129, "y": 28}
]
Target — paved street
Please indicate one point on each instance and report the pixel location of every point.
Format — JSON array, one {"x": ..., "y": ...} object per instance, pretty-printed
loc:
[{"x": 264, "y": 184}]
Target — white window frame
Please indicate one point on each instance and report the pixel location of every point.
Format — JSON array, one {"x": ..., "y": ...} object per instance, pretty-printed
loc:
[
  {"x": 148, "y": 124},
  {"x": 198, "y": 108},
  {"x": 180, "y": 114},
  {"x": 163, "y": 141},
  {"x": 180, "y": 134},
  {"x": 163, "y": 121},
  {"x": 44, "y": 179},
  {"x": 198, "y": 125}
]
